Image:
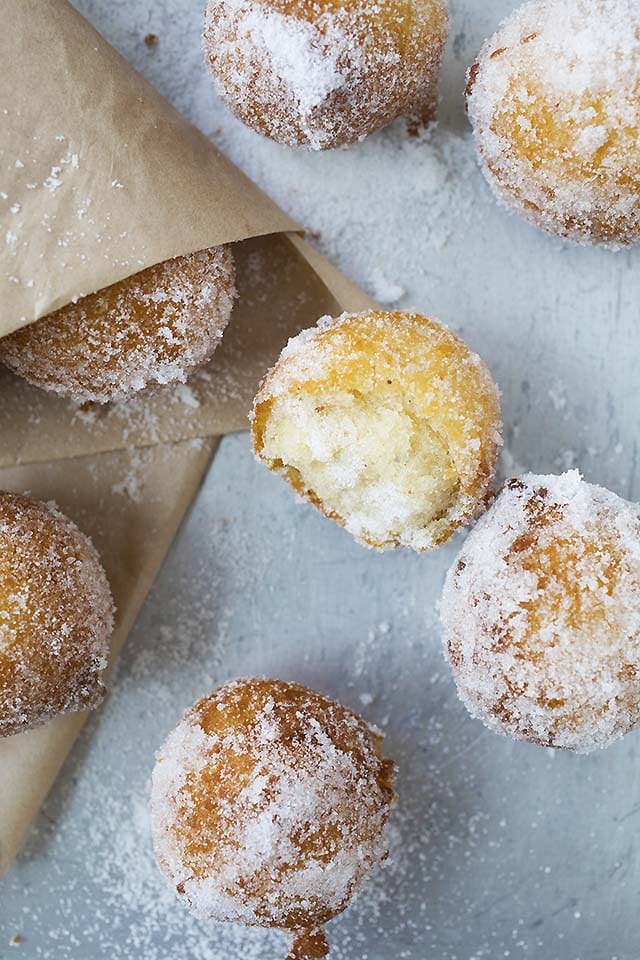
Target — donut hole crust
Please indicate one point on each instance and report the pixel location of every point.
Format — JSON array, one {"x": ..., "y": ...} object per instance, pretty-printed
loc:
[
  {"x": 386, "y": 422},
  {"x": 154, "y": 327},
  {"x": 56, "y": 616}
]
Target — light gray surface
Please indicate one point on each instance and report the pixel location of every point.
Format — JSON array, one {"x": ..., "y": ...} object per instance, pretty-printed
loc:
[{"x": 499, "y": 850}]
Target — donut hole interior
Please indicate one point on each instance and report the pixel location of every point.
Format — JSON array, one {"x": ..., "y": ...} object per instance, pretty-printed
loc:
[{"x": 366, "y": 459}]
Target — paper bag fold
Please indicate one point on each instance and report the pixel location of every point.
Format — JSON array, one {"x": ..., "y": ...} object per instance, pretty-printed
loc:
[{"x": 99, "y": 176}]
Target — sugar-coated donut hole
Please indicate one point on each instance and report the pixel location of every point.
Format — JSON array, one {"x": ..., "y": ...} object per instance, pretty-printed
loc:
[
  {"x": 56, "y": 615},
  {"x": 322, "y": 73},
  {"x": 541, "y": 614},
  {"x": 269, "y": 804},
  {"x": 155, "y": 327},
  {"x": 386, "y": 422},
  {"x": 554, "y": 100}
]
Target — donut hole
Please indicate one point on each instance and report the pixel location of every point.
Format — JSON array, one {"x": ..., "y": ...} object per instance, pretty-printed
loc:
[
  {"x": 153, "y": 328},
  {"x": 325, "y": 73},
  {"x": 368, "y": 459},
  {"x": 394, "y": 426},
  {"x": 541, "y": 614},
  {"x": 269, "y": 806},
  {"x": 56, "y": 616},
  {"x": 553, "y": 100}
]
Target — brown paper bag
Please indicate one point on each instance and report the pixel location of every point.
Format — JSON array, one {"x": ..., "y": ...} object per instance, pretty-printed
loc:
[
  {"x": 131, "y": 506},
  {"x": 100, "y": 178}
]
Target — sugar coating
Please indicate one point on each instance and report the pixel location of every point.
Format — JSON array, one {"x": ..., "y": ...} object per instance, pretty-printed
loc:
[
  {"x": 56, "y": 615},
  {"x": 554, "y": 100},
  {"x": 541, "y": 614},
  {"x": 269, "y": 804},
  {"x": 155, "y": 327},
  {"x": 387, "y": 422},
  {"x": 321, "y": 73}
]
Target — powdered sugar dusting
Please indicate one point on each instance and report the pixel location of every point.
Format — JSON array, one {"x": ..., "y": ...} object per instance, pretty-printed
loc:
[{"x": 542, "y": 613}]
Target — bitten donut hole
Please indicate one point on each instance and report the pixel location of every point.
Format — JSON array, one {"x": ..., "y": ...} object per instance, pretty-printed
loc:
[
  {"x": 369, "y": 459},
  {"x": 386, "y": 422}
]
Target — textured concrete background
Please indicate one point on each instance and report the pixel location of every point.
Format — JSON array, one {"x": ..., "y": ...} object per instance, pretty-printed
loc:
[{"x": 499, "y": 850}]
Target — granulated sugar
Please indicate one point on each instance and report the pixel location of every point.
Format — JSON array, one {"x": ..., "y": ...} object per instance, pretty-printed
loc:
[
  {"x": 364, "y": 212},
  {"x": 486, "y": 833},
  {"x": 541, "y": 614}
]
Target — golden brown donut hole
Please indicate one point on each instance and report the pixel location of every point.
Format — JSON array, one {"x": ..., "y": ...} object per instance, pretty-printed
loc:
[
  {"x": 269, "y": 804},
  {"x": 321, "y": 73},
  {"x": 154, "y": 327},
  {"x": 554, "y": 100},
  {"x": 56, "y": 615},
  {"x": 387, "y": 422}
]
